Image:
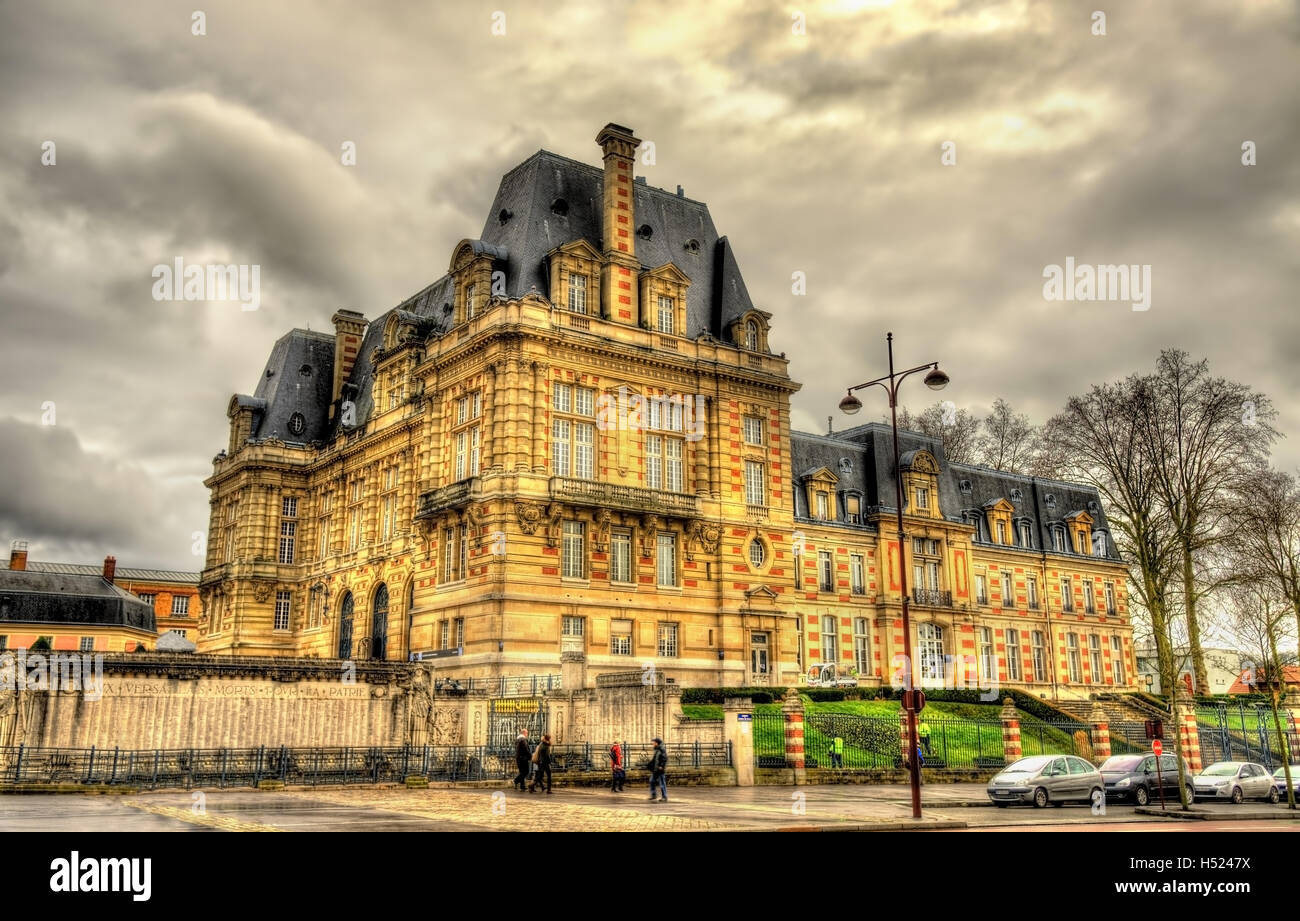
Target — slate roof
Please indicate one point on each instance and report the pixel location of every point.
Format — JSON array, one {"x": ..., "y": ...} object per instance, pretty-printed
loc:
[
  {"x": 716, "y": 296},
  {"x": 962, "y": 487},
  {"x": 70, "y": 599},
  {"x": 123, "y": 573}
]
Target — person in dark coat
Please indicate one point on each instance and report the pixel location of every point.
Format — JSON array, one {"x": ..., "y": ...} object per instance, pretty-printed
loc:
[
  {"x": 618, "y": 775},
  {"x": 543, "y": 756},
  {"x": 658, "y": 767},
  {"x": 523, "y": 759}
]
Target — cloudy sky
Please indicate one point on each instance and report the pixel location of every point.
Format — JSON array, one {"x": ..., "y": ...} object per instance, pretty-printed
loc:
[{"x": 817, "y": 152}]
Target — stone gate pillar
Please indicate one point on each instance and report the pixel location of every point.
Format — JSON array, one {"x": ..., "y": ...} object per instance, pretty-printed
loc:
[
  {"x": 1010, "y": 731},
  {"x": 1188, "y": 734},
  {"x": 1100, "y": 725},
  {"x": 792, "y": 710},
  {"x": 740, "y": 734}
]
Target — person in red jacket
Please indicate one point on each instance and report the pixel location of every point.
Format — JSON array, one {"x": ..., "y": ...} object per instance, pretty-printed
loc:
[{"x": 619, "y": 774}]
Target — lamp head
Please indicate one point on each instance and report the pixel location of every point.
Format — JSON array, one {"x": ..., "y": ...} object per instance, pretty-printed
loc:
[
  {"x": 936, "y": 379},
  {"x": 850, "y": 405}
]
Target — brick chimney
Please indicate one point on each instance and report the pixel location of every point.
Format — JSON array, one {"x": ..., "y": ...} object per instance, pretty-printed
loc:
[
  {"x": 110, "y": 569},
  {"x": 349, "y": 327},
  {"x": 619, "y": 281},
  {"x": 18, "y": 555}
]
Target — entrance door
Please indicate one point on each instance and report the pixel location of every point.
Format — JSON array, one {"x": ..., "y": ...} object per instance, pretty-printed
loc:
[
  {"x": 345, "y": 627},
  {"x": 379, "y": 624}
]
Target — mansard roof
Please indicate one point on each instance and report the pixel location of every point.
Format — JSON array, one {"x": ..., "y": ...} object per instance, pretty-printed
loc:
[{"x": 30, "y": 597}]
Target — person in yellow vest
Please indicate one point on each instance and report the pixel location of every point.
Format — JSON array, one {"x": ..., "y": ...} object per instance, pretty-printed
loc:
[
  {"x": 923, "y": 734},
  {"x": 837, "y": 752}
]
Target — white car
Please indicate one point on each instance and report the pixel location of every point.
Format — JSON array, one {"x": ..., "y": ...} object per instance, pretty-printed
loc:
[{"x": 1234, "y": 781}]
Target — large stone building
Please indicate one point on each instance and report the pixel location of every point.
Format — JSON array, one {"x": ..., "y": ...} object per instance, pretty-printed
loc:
[
  {"x": 173, "y": 595},
  {"x": 578, "y": 440}
]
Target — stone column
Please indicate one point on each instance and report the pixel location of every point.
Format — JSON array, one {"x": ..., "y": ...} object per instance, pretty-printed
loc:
[
  {"x": 740, "y": 734},
  {"x": 573, "y": 671},
  {"x": 1100, "y": 733},
  {"x": 1010, "y": 731},
  {"x": 792, "y": 710},
  {"x": 1188, "y": 734},
  {"x": 902, "y": 736}
]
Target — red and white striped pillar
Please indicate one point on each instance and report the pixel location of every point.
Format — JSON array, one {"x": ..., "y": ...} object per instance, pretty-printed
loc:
[
  {"x": 1010, "y": 730},
  {"x": 792, "y": 709},
  {"x": 1100, "y": 725},
  {"x": 1188, "y": 734}
]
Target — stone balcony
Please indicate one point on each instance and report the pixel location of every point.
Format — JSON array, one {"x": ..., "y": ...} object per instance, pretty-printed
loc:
[
  {"x": 437, "y": 500},
  {"x": 616, "y": 495}
]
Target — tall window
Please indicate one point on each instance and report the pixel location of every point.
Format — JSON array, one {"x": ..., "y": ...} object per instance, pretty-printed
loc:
[
  {"x": 667, "y": 646},
  {"x": 1072, "y": 660},
  {"x": 825, "y": 571},
  {"x": 620, "y": 637},
  {"x": 462, "y": 537},
  {"x": 853, "y": 508},
  {"x": 755, "y": 494},
  {"x": 460, "y": 633},
  {"x": 1067, "y": 594},
  {"x": 981, "y": 588},
  {"x": 663, "y": 463},
  {"x": 823, "y": 505},
  {"x": 282, "y": 610},
  {"x": 1094, "y": 657},
  {"x": 987, "y": 669},
  {"x": 857, "y": 574},
  {"x": 1089, "y": 597},
  {"x": 578, "y": 293},
  {"x": 1082, "y": 544},
  {"x": 573, "y": 441},
  {"x": 751, "y": 336},
  {"x": 1058, "y": 540},
  {"x": 574, "y": 556},
  {"x": 471, "y": 301},
  {"x": 753, "y": 430},
  {"x": 388, "y": 505},
  {"x": 354, "y": 513},
  {"x": 861, "y": 646},
  {"x": 925, "y": 564},
  {"x": 830, "y": 639},
  {"x": 665, "y": 314},
  {"x": 180, "y": 605},
  {"x": 1008, "y": 591},
  {"x": 620, "y": 556},
  {"x": 1117, "y": 659},
  {"x": 444, "y": 635},
  {"x": 758, "y": 653},
  {"x": 922, "y": 497},
  {"x": 1026, "y": 538},
  {"x": 1013, "y": 655},
  {"x": 288, "y": 528},
  {"x": 673, "y": 464},
  {"x": 1002, "y": 531},
  {"x": 232, "y": 516},
  {"x": 1031, "y": 592},
  {"x": 666, "y": 560},
  {"x": 757, "y": 553},
  {"x": 930, "y": 650},
  {"x": 455, "y": 553},
  {"x": 1038, "y": 653},
  {"x": 1110, "y": 598}
]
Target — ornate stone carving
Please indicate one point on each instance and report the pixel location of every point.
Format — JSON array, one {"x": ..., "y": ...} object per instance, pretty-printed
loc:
[
  {"x": 554, "y": 512},
  {"x": 444, "y": 726},
  {"x": 473, "y": 517},
  {"x": 649, "y": 525},
  {"x": 707, "y": 534},
  {"x": 261, "y": 592},
  {"x": 529, "y": 515},
  {"x": 601, "y": 535}
]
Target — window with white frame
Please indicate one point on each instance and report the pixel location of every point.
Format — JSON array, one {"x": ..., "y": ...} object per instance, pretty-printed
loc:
[
  {"x": 857, "y": 574},
  {"x": 620, "y": 555},
  {"x": 861, "y": 646},
  {"x": 573, "y": 440},
  {"x": 753, "y": 430},
  {"x": 981, "y": 588},
  {"x": 444, "y": 634},
  {"x": 573, "y": 626},
  {"x": 460, "y": 633},
  {"x": 665, "y": 315},
  {"x": 1038, "y": 655},
  {"x": 922, "y": 497},
  {"x": 930, "y": 652},
  {"x": 759, "y": 663},
  {"x": 1008, "y": 591},
  {"x": 1002, "y": 531},
  {"x": 667, "y": 645},
  {"x": 573, "y": 553},
  {"x": 1031, "y": 592},
  {"x": 1073, "y": 662},
  {"x": 148, "y": 598},
  {"x": 830, "y": 639},
  {"x": 1026, "y": 538},
  {"x": 823, "y": 505},
  {"x": 471, "y": 301},
  {"x": 987, "y": 669},
  {"x": 577, "y": 293},
  {"x": 755, "y": 493},
  {"x": 1117, "y": 659},
  {"x": 751, "y": 336},
  {"x": 757, "y": 553},
  {"x": 1058, "y": 540},
  {"x": 388, "y": 504},
  {"x": 825, "y": 571},
  {"x": 1013, "y": 655},
  {"x": 853, "y": 508},
  {"x": 1067, "y": 594},
  {"x": 180, "y": 605},
  {"x": 288, "y": 532},
  {"x": 620, "y": 637},
  {"x": 1110, "y": 598},
  {"x": 1094, "y": 658},
  {"x": 282, "y": 600},
  {"x": 1083, "y": 545},
  {"x": 354, "y": 513},
  {"x": 86, "y": 644},
  {"x": 1089, "y": 597},
  {"x": 666, "y": 559}
]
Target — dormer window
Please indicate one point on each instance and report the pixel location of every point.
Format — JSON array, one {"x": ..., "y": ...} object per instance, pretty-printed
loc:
[
  {"x": 1025, "y": 537},
  {"x": 1081, "y": 543},
  {"x": 922, "y": 497},
  {"x": 471, "y": 305},
  {"x": 823, "y": 506},
  {"x": 751, "y": 336},
  {"x": 853, "y": 508},
  {"x": 1058, "y": 540},
  {"x": 577, "y": 293},
  {"x": 1002, "y": 531},
  {"x": 665, "y": 315}
]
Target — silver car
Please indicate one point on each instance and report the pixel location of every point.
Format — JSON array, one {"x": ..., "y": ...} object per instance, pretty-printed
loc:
[
  {"x": 1234, "y": 781},
  {"x": 1043, "y": 779}
]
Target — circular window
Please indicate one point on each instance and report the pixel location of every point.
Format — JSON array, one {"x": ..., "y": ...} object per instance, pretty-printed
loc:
[
  {"x": 757, "y": 553},
  {"x": 297, "y": 423}
]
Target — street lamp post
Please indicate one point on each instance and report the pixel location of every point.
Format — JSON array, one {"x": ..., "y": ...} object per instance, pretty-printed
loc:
[{"x": 850, "y": 405}]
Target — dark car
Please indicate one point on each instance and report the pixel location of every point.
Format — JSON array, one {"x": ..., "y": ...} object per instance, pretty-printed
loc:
[
  {"x": 1134, "y": 778},
  {"x": 1279, "y": 781}
]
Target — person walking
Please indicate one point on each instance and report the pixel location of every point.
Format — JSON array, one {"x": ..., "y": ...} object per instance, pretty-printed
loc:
[
  {"x": 543, "y": 759},
  {"x": 617, "y": 774},
  {"x": 837, "y": 752},
  {"x": 523, "y": 759},
  {"x": 923, "y": 735},
  {"x": 658, "y": 767}
]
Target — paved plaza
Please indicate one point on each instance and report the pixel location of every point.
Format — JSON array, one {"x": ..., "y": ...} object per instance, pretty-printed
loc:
[{"x": 488, "y": 808}]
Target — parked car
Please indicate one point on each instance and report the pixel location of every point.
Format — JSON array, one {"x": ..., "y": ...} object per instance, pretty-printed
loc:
[
  {"x": 1235, "y": 781},
  {"x": 1043, "y": 779},
  {"x": 1279, "y": 781},
  {"x": 1135, "y": 778}
]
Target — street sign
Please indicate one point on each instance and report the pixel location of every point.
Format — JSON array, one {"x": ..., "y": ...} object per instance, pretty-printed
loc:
[
  {"x": 745, "y": 717},
  {"x": 1156, "y": 746}
]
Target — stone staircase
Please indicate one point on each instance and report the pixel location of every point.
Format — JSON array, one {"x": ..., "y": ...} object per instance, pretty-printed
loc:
[{"x": 1119, "y": 708}]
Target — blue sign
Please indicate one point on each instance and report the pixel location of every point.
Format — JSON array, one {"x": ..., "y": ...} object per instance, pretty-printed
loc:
[{"x": 747, "y": 717}]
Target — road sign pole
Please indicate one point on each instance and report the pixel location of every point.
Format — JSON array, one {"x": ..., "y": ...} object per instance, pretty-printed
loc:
[{"x": 1160, "y": 782}]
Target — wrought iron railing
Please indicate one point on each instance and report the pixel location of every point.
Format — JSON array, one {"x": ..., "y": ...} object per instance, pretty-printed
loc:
[
  {"x": 594, "y": 492},
  {"x": 932, "y": 597},
  {"x": 501, "y": 686}
]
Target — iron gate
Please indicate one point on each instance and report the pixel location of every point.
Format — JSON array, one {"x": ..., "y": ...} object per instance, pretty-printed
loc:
[{"x": 506, "y": 717}]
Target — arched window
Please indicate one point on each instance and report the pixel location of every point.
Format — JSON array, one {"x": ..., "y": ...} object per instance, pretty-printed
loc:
[
  {"x": 379, "y": 624},
  {"x": 345, "y": 626},
  {"x": 751, "y": 336},
  {"x": 930, "y": 637}
]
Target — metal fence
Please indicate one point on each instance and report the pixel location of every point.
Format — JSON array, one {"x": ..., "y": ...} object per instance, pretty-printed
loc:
[
  {"x": 247, "y": 767},
  {"x": 1245, "y": 732},
  {"x": 501, "y": 686}
]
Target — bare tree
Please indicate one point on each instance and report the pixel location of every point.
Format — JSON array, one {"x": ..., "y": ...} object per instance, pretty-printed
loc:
[
  {"x": 1101, "y": 434},
  {"x": 955, "y": 428},
  {"x": 1268, "y": 536},
  {"x": 1008, "y": 440},
  {"x": 1201, "y": 436}
]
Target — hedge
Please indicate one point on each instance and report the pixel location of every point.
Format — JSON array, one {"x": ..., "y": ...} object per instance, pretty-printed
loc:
[{"x": 766, "y": 695}]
